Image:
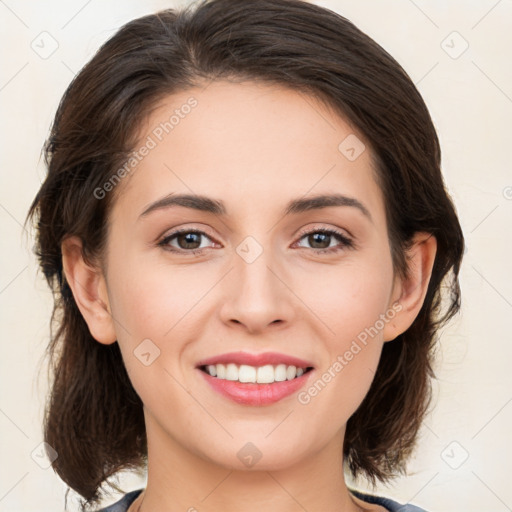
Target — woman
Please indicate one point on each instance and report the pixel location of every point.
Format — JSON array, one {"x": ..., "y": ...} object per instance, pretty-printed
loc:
[{"x": 246, "y": 230}]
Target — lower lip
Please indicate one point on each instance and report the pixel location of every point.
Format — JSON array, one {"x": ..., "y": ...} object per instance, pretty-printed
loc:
[{"x": 256, "y": 394}]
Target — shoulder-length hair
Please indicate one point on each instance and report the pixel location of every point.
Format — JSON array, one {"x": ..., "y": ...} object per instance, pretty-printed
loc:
[{"x": 94, "y": 418}]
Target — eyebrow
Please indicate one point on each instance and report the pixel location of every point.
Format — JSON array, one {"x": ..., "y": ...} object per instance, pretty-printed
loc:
[{"x": 216, "y": 207}]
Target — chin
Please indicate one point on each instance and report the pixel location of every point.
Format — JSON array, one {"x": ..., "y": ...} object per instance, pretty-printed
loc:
[{"x": 258, "y": 454}]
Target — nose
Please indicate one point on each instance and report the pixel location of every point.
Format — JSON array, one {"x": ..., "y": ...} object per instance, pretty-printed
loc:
[{"x": 257, "y": 295}]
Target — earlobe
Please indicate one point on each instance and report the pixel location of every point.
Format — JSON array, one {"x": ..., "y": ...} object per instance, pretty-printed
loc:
[
  {"x": 410, "y": 291},
  {"x": 89, "y": 291}
]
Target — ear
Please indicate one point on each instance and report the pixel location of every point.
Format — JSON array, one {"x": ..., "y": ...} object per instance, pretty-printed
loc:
[
  {"x": 89, "y": 290},
  {"x": 409, "y": 293}
]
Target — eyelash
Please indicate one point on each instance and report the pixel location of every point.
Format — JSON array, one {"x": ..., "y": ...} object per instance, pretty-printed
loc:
[{"x": 345, "y": 242}]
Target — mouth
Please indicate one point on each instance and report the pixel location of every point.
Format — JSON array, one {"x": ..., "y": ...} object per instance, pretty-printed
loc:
[
  {"x": 267, "y": 374},
  {"x": 255, "y": 379}
]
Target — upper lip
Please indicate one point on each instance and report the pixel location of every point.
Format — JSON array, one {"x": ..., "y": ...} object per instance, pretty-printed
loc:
[{"x": 273, "y": 358}]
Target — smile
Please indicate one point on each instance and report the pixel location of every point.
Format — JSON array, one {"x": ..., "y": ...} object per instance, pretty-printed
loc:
[
  {"x": 255, "y": 379},
  {"x": 267, "y": 374}
]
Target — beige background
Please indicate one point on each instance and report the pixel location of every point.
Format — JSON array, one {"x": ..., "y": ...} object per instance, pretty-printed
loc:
[{"x": 469, "y": 95}]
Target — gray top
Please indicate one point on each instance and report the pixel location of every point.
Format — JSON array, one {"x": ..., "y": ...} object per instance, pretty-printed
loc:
[{"x": 123, "y": 504}]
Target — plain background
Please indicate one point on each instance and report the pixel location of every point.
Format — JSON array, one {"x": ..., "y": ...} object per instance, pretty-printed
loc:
[{"x": 458, "y": 54}]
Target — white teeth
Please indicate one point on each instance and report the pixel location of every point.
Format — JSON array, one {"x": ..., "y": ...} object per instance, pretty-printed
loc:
[
  {"x": 247, "y": 373},
  {"x": 221, "y": 371},
  {"x": 291, "y": 372},
  {"x": 231, "y": 372},
  {"x": 280, "y": 372},
  {"x": 262, "y": 374},
  {"x": 265, "y": 374}
]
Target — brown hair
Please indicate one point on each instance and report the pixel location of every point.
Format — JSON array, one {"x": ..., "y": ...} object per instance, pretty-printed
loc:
[{"x": 94, "y": 418}]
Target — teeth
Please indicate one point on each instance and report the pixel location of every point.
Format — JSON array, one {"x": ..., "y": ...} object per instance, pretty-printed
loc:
[
  {"x": 265, "y": 374},
  {"x": 261, "y": 375},
  {"x": 280, "y": 372},
  {"x": 231, "y": 372},
  {"x": 291, "y": 372},
  {"x": 220, "y": 370},
  {"x": 247, "y": 373}
]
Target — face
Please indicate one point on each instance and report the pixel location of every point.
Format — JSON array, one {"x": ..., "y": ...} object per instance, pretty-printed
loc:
[{"x": 259, "y": 277}]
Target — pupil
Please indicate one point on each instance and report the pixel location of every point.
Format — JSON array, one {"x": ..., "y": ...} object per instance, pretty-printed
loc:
[
  {"x": 322, "y": 236},
  {"x": 189, "y": 239}
]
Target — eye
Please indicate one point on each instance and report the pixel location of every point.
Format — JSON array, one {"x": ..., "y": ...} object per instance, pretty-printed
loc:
[
  {"x": 320, "y": 240},
  {"x": 187, "y": 240}
]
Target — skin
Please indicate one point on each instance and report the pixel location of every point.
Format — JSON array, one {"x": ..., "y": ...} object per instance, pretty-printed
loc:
[{"x": 255, "y": 147}]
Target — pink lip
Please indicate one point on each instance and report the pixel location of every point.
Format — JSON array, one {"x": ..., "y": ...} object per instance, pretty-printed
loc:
[
  {"x": 262, "y": 359},
  {"x": 256, "y": 394},
  {"x": 252, "y": 393}
]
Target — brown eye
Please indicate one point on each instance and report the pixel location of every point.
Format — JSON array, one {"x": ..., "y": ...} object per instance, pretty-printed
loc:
[
  {"x": 320, "y": 240},
  {"x": 188, "y": 240},
  {"x": 184, "y": 241}
]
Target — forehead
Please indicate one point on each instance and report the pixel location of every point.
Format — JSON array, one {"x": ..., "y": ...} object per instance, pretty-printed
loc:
[{"x": 254, "y": 145}]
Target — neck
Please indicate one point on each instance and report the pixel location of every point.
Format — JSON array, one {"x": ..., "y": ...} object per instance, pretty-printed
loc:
[{"x": 179, "y": 480}]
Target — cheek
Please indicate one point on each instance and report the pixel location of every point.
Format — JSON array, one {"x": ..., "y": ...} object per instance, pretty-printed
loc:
[
  {"x": 355, "y": 309},
  {"x": 149, "y": 299},
  {"x": 156, "y": 311},
  {"x": 351, "y": 299}
]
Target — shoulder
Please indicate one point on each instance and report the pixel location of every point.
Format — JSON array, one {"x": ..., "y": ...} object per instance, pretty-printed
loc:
[
  {"x": 123, "y": 504},
  {"x": 387, "y": 503}
]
